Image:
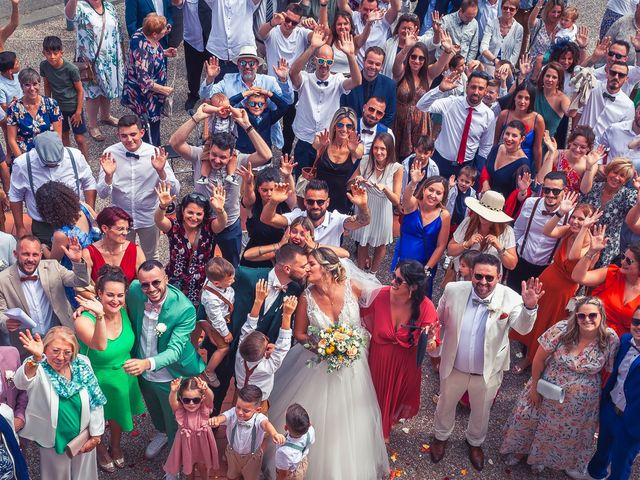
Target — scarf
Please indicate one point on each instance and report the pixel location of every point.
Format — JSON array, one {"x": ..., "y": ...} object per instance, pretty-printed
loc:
[
  {"x": 81, "y": 377},
  {"x": 22, "y": 472}
]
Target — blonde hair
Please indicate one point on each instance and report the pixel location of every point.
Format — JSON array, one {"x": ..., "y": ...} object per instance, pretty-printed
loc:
[
  {"x": 342, "y": 112},
  {"x": 153, "y": 23},
  {"x": 620, "y": 164},
  {"x": 330, "y": 263},
  {"x": 571, "y": 336},
  {"x": 571, "y": 12},
  {"x": 66, "y": 335}
]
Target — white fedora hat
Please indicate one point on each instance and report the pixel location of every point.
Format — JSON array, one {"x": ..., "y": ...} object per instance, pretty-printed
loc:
[
  {"x": 248, "y": 51},
  {"x": 489, "y": 207}
]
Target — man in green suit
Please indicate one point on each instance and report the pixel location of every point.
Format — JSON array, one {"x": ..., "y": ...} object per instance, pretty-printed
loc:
[
  {"x": 285, "y": 278},
  {"x": 162, "y": 318}
]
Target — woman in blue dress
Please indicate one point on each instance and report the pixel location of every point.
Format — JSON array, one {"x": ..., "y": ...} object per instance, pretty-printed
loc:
[
  {"x": 522, "y": 108},
  {"x": 424, "y": 230}
]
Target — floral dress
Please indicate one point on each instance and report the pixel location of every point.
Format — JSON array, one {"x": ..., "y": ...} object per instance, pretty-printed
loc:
[
  {"x": 146, "y": 65},
  {"x": 109, "y": 65},
  {"x": 560, "y": 435},
  {"x": 28, "y": 127},
  {"x": 615, "y": 211},
  {"x": 410, "y": 123},
  {"x": 573, "y": 177}
]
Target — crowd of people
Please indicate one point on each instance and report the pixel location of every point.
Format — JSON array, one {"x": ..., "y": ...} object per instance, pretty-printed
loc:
[{"x": 483, "y": 137}]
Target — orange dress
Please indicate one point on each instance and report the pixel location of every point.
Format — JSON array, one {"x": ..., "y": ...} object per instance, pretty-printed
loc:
[
  {"x": 611, "y": 292},
  {"x": 559, "y": 288}
]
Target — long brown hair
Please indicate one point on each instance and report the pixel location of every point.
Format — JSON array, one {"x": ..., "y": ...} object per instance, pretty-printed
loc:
[
  {"x": 495, "y": 229},
  {"x": 387, "y": 140},
  {"x": 423, "y": 74}
]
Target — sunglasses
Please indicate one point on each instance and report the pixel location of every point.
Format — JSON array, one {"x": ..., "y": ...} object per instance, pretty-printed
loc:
[
  {"x": 312, "y": 201},
  {"x": 348, "y": 126},
  {"x": 196, "y": 197},
  {"x": 617, "y": 56},
  {"x": 613, "y": 73},
  {"x": 635, "y": 322},
  {"x": 148, "y": 285},
  {"x": 187, "y": 400},
  {"x": 250, "y": 63},
  {"x": 323, "y": 61},
  {"x": 293, "y": 23},
  {"x": 628, "y": 260},
  {"x": 488, "y": 278},
  {"x": 548, "y": 190},
  {"x": 507, "y": 8},
  {"x": 397, "y": 280},
  {"x": 583, "y": 316},
  {"x": 375, "y": 110},
  {"x": 417, "y": 58},
  {"x": 256, "y": 104}
]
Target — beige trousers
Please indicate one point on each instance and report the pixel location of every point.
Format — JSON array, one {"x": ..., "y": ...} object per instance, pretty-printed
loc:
[
  {"x": 60, "y": 467},
  {"x": 148, "y": 237}
]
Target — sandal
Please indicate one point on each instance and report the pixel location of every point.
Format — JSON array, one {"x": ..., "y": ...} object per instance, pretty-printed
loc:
[
  {"x": 96, "y": 134},
  {"x": 111, "y": 121},
  {"x": 119, "y": 462},
  {"x": 108, "y": 466}
]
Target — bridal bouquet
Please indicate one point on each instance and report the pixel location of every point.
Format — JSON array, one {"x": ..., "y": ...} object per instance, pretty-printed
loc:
[{"x": 338, "y": 346}]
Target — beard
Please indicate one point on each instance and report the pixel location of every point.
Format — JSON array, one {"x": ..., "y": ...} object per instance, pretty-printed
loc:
[{"x": 315, "y": 216}]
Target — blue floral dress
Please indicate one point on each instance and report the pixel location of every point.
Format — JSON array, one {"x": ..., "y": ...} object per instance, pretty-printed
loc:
[
  {"x": 28, "y": 127},
  {"x": 147, "y": 65}
]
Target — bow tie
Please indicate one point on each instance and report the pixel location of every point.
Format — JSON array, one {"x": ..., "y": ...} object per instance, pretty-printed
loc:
[
  {"x": 279, "y": 288},
  {"x": 132, "y": 155},
  {"x": 152, "y": 307},
  {"x": 29, "y": 278},
  {"x": 480, "y": 301},
  {"x": 546, "y": 213},
  {"x": 369, "y": 132},
  {"x": 245, "y": 423},
  {"x": 321, "y": 83},
  {"x": 606, "y": 96}
]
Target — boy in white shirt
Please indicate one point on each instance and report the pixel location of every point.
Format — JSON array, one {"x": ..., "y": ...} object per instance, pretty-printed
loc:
[
  {"x": 256, "y": 360},
  {"x": 246, "y": 428},
  {"x": 217, "y": 300},
  {"x": 291, "y": 458}
]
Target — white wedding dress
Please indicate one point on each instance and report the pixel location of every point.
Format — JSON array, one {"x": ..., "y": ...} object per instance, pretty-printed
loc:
[{"x": 342, "y": 406}]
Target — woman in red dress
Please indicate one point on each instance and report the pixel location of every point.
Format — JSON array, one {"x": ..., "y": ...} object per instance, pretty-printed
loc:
[{"x": 396, "y": 318}]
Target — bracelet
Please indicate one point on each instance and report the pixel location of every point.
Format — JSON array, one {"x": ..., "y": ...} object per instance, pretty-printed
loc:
[
  {"x": 249, "y": 129},
  {"x": 502, "y": 251},
  {"x": 194, "y": 120},
  {"x": 558, "y": 214}
]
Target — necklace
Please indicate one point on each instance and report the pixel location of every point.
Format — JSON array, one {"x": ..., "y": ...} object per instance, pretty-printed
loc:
[{"x": 379, "y": 169}]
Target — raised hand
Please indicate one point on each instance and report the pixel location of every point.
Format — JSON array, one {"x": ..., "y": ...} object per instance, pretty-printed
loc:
[
  {"x": 353, "y": 142},
  {"x": 91, "y": 305},
  {"x": 591, "y": 220},
  {"x": 213, "y": 67},
  {"x": 74, "y": 250},
  {"x": 323, "y": 140},
  {"x": 262, "y": 288},
  {"x": 246, "y": 173},
  {"x": 416, "y": 174},
  {"x": 550, "y": 142},
  {"x": 241, "y": 117},
  {"x": 446, "y": 42},
  {"x": 472, "y": 65},
  {"x": 598, "y": 238},
  {"x": 289, "y": 304},
  {"x": 287, "y": 165},
  {"x": 309, "y": 240},
  {"x": 635, "y": 40},
  {"x": 277, "y": 19},
  {"x": 280, "y": 192},
  {"x": 449, "y": 82},
  {"x": 375, "y": 15},
  {"x": 159, "y": 159},
  {"x": 358, "y": 196},
  {"x": 595, "y": 155},
  {"x": 309, "y": 23},
  {"x": 410, "y": 41},
  {"x": 602, "y": 48},
  {"x": 108, "y": 164},
  {"x": 582, "y": 37},
  {"x": 436, "y": 22},
  {"x": 281, "y": 70},
  {"x": 568, "y": 203},
  {"x": 318, "y": 37},
  {"x": 524, "y": 181},
  {"x": 202, "y": 385},
  {"x": 346, "y": 45},
  {"x": 174, "y": 386},
  {"x": 32, "y": 344},
  {"x": 217, "y": 198},
  {"x": 163, "y": 191},
  {"x": 525, "y": 66},
  {"x": 532, "y": 292}
]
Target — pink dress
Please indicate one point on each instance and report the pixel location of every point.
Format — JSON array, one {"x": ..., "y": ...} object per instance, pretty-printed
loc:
[{"x": 194, "y": 442}]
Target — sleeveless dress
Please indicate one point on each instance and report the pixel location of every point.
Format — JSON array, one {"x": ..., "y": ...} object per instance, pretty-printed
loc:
[
  {"x": 342, "y": 405},
  {"x": 127, "y": 264},
  {"x": 573, "y": 177},
  {"x": 549, "y": 115},
  {"x": 124, "y": 399},
  {"x": 529, "y": 139},
  {"x": 336, "y": 175},
  {"x": 262, "y": 234},
  {"x": 503, "y": 180},
  {"x": 410, "y": 123}
]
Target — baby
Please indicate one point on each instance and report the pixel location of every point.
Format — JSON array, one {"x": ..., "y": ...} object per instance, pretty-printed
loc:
[
  {"x": 220, "y": 121},
  {"x": 568, "y": 30},
  {"x": 291, "y": 458}
]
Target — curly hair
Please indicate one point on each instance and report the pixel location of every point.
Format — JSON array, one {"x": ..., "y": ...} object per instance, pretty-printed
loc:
[
  {"x": 58, "y": 204},
  {"x": 330, "y": 262}
]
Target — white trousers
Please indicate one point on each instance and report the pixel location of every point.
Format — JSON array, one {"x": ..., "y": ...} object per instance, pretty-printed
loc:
[
  {"x": 481, "y": 396},
  {"x": 59, "y": 467}
]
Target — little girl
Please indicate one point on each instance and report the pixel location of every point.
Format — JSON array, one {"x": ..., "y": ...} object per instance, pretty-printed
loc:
[{"x": 192, "y": 401}]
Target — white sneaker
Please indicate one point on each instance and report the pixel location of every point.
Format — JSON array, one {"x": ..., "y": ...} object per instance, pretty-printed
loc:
[
  {"x": 203, "y": 181},
  {"x": 155, "y": 445},
  {"x": 578, "y": 474}
]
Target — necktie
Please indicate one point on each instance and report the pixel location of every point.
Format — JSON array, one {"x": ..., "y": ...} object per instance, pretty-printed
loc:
[
  {"x": 29, "y": 278},
  {"x": 465, "y": 135},
  {"x": 321, "y": 83},
  {"x": 132, "y": 155},
  {"x": 152, "y": 307},
  {"x": 369, "y": 132},
  {"x": 546, "y": 213},
  {"x": 269, "y": 10},
  {"x": 608, "y": 96},
  {"x": 480, "y": 301}
]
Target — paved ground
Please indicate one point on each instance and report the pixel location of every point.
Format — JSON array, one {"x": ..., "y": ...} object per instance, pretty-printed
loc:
[{"x": 407, "y": 440}]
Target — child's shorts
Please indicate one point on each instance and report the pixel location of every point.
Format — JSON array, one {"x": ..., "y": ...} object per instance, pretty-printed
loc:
[
  {"x": 66, "y": 124},
  {"x": 300, "y": 471},
  {"x": 247, "y": 466},
  {"x": 218, "y": 340}
]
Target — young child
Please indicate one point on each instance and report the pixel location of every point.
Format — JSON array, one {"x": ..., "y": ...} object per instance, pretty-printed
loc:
[
  {"x": 465, "y": 266},
  {"x": 568, "y": 30},
  {"x": 256, "y": 364},
  {"x": 246, "y": 428},
  {"x": 192, "y": 402},
  {"x": 424, "y": 148},
  {"x": 62, "y": 82},
  {"x": 217, "y": 300},
  {"x": 10, "y": 88},
  {"x": 220, "y": 121},
  {"x": 291, "y": 458},
  {"x": 460, "y": 188}
]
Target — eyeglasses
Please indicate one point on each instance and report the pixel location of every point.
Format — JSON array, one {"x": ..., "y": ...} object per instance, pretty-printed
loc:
[
  {"x": 507, "y": 8},
  {"x": 397, "y": 280},
  {"x": 250, "y": 63},
  {"x": 628, "y": 260},
  {"x": 120, "y": 229},
  {"x": 375, "y": 110},
  {"x": 617, "y": 56},
  {"x": 554, "y": 191},
  {"x": 583, "y": 316},
  {"x": 417, "y": 58},
  {"x": 323, "y": 61},
  {"x": 194, "y": 400},
  {"x": 148, "y": 285},
  {"x": 55, "y": 352},
  {"x": 613, "y": 73},
  {"x": 311, "y": 201},
  {"x": 348, "y": 126},
  {"x": 635, "y": 322},
  {"x": 293, "y": 23},
  {"x": 256, "y": 104},
  {"x": 480, "y": 276},
  {"x": 580, "y": 146}
]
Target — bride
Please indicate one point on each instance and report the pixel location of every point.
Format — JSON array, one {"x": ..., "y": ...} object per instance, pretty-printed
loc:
[{"x": 342, "y": 405}]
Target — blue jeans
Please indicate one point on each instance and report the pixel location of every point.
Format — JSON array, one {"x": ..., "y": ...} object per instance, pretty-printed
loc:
[
  {"x": 230, "y": 242},
  {"x": 304, "y": 154}
]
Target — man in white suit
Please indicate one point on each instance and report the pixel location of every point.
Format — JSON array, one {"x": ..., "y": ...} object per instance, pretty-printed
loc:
[{"x": 475, "y": 320}]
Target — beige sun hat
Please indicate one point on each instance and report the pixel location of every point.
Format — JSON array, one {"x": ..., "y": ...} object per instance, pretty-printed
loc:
[
  {"x": 489, "y": 207},
  {"x": 248, "y": 51}
]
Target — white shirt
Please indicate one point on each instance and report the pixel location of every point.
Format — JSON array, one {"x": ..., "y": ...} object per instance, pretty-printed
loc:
[
  {"x": 149, "y": 346},
  {"x": 159, "y": 7},
  {"x": 265, "y": 368},
  {"x": 329, "y": 231},
  {"x": 316, "y": 104},
  {"x": 40, "y": 309},
  {"x": 242, "y": 442},
  {"x": 432, "y": 171},
  {"x": 20, "y": 190},
  {"x": 272, "y": 281},
  {"x": 470, "y": 355},
  {"x": 7, "y": 246},
  {"x": 487, "y": 13},
  {"x": 193, "y": 34},
  {"x": 288, "y": 458},
  {"x": 454, "y": 110},
  {"x": 367, "y": 138},
  {"x": 380, "y": 32},
  {"x": 278, "y": 46},
  {"x": 598, "y": 113},
  {"x": 632, "y": 78},
  {"x": 617, "y": 138},
  {"x": 134, "y": 182},
  {"x": 216, "y": 308},
  {"x": 617, "y": 393},
  {"x": 539, "y": 247},
  {"x": 230, "y": 29}
]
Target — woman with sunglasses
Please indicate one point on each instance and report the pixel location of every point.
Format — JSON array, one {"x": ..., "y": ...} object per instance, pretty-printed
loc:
[
  {"x": 106, "y": 337},
  {"x": 190, "y": 234},
  {"x": 502, "y": 38},
  {"x": 338, "y": 152},
  {"x": 113, "y": 249},
  {"x": 574, "y": 354}
]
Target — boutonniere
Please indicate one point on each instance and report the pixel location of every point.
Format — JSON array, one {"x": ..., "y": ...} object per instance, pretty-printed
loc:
[
  {"x": 504, "y": 316},
  {"x": 8, "y": 375},
  {"x": 160, "y": 329}
]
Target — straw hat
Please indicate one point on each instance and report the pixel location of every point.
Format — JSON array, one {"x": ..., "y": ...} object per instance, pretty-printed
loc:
[
  {"x": 248, "y": 51},
  {"x": 489, "y": 207}
]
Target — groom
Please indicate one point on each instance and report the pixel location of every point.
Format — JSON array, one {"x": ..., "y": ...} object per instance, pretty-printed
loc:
[
  {"x": 162, "y": 318},
  {"x": 285, "y": 278}
]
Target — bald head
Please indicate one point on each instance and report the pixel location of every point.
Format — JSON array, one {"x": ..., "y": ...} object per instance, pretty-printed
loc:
[{"x": 324, "y": 60}]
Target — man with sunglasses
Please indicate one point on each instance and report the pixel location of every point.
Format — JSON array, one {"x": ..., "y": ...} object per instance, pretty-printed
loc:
[
  {"x": 616, "y": 51},
  {"x": 626, "y": 28},
  {"x": 370, "y": 123},
  {"x": 162, "y": 318},
  {"x": 476, "y": 318}
]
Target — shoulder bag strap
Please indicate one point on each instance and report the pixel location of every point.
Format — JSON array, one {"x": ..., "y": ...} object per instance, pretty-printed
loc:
[
  {"x": 555, "y": 247},
  {"x": 30, "y": 173},
  {"x": 75, "y": 169},
  {"x": 526, "y": 232},
  {"x": 104, "y": 28}
]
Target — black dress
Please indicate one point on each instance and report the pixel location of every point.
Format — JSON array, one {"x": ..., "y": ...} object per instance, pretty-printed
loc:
[
  {"x": 336, "y": 175},
  {"x": 262, "y": 234}
]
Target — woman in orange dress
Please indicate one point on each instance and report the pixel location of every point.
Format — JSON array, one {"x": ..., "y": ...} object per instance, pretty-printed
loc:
[{"x": 574, "y": 239}]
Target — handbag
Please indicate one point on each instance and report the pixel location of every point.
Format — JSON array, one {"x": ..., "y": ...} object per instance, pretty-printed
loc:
[
  {"x": 87, "y": 68},
  {"x": 308, "y": 173},
  {"x": 167, "y": 108},
  {"x": 73, "y": 447},
  {"x": 550, "y": 391}
]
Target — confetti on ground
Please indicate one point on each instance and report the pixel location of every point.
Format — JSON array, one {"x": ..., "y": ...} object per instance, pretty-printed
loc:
[
  {"x": 490, "y": 462},
  {"x": 463, "y": 472},
  {"x": 425, "y": 447},
  {"x": 405, "y": 430},
  {"x": 394, "y": 457},
  {"x": 395, "y": 473},
  {"x": 135, "y": 433},
  {"x": 519, "y": 355},
  {"x": 402, "y": 420}
]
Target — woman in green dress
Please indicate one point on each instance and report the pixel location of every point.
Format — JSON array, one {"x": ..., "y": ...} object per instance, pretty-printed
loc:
[{"x": 106, "y": 337}]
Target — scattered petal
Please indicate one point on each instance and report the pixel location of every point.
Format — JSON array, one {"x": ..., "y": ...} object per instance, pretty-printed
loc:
[
  {"x": 135, "y": 433},
  {"x": 425, "y": 447},
  {"x": 519, "y": 355},
  {"x": 395, "y": 473},
  {"x": 394, "y": 457},
  {"x": 405, "y": 430},
  {"x": 463, "y": 472},
  {"x": 490, "y": 462}
]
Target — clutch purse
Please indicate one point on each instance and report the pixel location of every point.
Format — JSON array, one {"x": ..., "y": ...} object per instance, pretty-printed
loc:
[
  {"x": 73, "y": 447},
  {"x": 550, "y": 391}
]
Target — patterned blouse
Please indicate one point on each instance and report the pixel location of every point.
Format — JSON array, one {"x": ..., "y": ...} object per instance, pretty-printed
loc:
[
  {"x": 28, "y": 127},
  {"x": 147, "y": 65}
]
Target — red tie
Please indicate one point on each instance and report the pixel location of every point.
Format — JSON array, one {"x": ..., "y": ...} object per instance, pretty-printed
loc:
[{"x": 465, "y": 135}]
